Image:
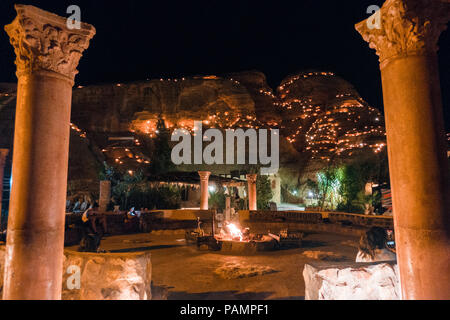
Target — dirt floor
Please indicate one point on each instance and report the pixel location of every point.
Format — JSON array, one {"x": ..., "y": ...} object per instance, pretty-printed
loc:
[{"x": 183, "y": 272}]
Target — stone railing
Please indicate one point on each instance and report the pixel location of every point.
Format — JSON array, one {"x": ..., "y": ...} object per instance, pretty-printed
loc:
[
  {"x": 361, "y": 220},
  {"x": 317, "y": 217},
  {"x": 102, "y": 276},
  {"x": 281, "y": 216},
  {"x": 352, "y": 281}
]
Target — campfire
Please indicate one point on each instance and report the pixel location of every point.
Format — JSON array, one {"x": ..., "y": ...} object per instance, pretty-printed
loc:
[
  {"x": 232, "y": 233},
  {"x": 231, "y": 238}
]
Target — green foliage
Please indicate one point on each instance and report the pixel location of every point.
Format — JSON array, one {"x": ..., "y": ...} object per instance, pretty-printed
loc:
[
  {"x": 263, "y": 192},
  {"x": 328, "y": 185},
  {"x": 217, "y": 199},
  {"x": 354, "y": 178},
  {"x": 134, "y": 191},
  {"x": 364, "y": 199},
  {"x": 107, "y": 172},
  {"x": 161, "y": 161}
]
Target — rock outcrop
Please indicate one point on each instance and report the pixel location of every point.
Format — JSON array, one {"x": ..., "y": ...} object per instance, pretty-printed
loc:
[
  {"x": 324, "y": 116},
  {"x": 321, "y": 117},
  {"x": 352, "y": 281},
  {"x": 119, "y": 107}
]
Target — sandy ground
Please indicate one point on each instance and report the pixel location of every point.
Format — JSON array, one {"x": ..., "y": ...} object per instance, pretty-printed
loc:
[{"x": 182, "y": 272}]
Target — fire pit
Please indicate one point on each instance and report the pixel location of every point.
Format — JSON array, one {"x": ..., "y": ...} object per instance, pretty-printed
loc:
[{"x": 231, "y": 239}]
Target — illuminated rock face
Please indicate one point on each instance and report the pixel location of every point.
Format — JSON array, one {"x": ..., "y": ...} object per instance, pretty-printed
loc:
[
  {"x": 116, "y": 109},
  {"x": 120, "y": 107},
  {"x": 354, "y": 281}
]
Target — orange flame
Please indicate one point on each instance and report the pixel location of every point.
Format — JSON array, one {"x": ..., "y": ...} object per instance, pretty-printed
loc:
[{"x": 235, "y": 232}]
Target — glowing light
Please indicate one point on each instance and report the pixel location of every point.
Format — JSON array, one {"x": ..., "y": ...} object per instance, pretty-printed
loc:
[{"x": 235, "y": 232}]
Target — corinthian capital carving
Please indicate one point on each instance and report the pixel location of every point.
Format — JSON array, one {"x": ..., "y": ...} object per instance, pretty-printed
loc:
[
  {"x": 42, "y": 42},
  {"x": 251, "y": 178},
  {"x": 408, "y": 27},
  {"x": 204, "y": 175}
]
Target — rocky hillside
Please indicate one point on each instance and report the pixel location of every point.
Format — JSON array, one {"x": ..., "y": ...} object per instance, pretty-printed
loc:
[
  {"x": 324, "y": 116},
  {"x": 321, "y": 116}
]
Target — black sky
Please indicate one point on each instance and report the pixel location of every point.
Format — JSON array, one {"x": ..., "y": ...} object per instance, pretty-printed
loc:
[{"x": 166, "y": 39}]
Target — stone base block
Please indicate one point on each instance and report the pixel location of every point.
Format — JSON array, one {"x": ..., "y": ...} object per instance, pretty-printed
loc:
[{"x": 102, "y": 276}]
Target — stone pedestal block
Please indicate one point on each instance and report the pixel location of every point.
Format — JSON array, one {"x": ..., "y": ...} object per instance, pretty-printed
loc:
[
  {"x": 352, "y": 281},
  {"x": 102, "y": 276}
]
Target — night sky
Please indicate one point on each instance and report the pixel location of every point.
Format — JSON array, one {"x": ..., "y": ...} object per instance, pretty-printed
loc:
[{"x": 137, "y": 40}]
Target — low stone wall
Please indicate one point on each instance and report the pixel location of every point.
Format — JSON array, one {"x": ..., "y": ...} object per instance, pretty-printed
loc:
[
  {"x": 333, "y": 222},
  {"x": 263, "y": 227},
  {"x": 98, "y": 276},
  {"x": 361, "y": 219},
  {"x": 352, "y": 281},
  {"x": 149, "y": 221},
  {"x": 298, "y": 216},
  {"x": 190, "y": 214}
]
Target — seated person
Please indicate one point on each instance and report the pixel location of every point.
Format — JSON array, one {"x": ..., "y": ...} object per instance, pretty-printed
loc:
[
  {"x": 372, "y": 247},
  {"x": 84, "y": 206},
  {"x": 76, "y": 207},
  {"x": 68, "y": 205},
  {"x": 132, "y": 220},
  {"x": 133, "y": 214},
  {"x": 91, "y": 216}
]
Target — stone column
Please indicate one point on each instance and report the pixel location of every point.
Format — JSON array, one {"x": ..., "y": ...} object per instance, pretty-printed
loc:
[
  {"x": 406, "y": 43},
  {"x": 227, "y": 208},
  {"x": 105, "y": 195},
  {"x": 47, "y": 55},
  {"x": 204, "y": 182},
  {"x": 275, "y": 182},
  {"x": 252, "y": 203},
  {"x": 3, "y": 155}
]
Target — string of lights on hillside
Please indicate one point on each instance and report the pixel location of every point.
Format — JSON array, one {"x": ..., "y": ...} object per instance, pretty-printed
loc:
[
  {"x": 326, "y": 131},
  {"x": 220, "y": 120}
]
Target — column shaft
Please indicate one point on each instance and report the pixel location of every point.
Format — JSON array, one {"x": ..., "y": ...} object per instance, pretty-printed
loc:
[
  {"x": 105, "y": 195},
  {"x": 419, "y": 175},
  {"x": 252, "y": 201},
  {"x": 37, "y": 209},
  {"x": 204, "y": 184}
]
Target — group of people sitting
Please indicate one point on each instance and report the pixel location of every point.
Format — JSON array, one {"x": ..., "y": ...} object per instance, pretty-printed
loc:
[
  {"x": 93, "y": 226},
  {"x": 79, "y": 205}
]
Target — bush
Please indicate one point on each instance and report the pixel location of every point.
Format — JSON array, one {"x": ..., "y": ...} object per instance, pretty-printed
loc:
[
  {"x": 263, "y": 192},
  {"x": 144, "y": 196},
  {"x": 217, "y": 200}
]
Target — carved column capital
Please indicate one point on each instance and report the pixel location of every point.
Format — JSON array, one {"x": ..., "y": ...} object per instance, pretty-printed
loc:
[
  {"x": 204, "y": 175},
  {"x": 406, "y": 28},
  {"x": 251, "y": 178},
  {"x": 43, "y": 43}
]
